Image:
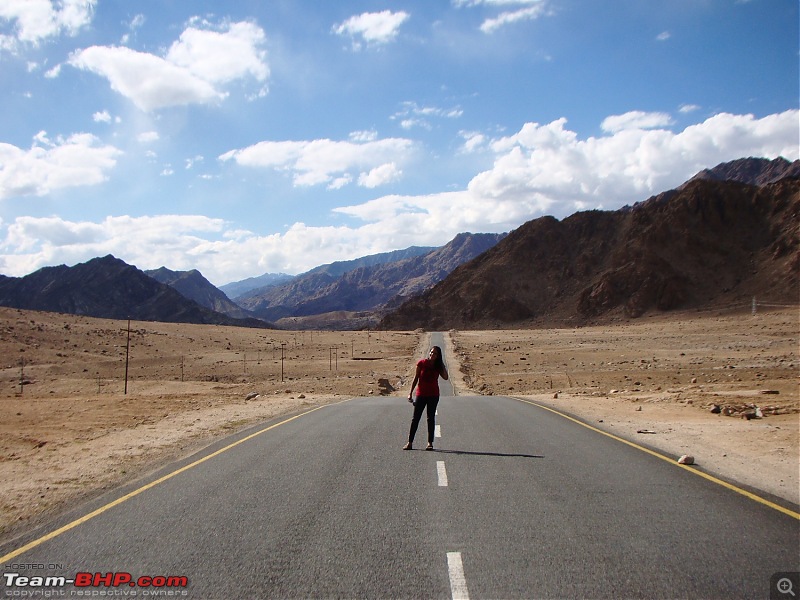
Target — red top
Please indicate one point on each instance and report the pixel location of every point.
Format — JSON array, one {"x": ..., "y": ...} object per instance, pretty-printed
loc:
[{"x": 428, "y": 384}]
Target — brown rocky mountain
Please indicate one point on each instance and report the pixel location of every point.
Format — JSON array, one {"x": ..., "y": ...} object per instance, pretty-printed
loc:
[
  {"x": 363, "y": 289},
  {"x": 192, "y": 285},
  {"x": 108, "y": 288},
  {"x": 709, "y": 244},
  {"x": 755, "y": 171}
]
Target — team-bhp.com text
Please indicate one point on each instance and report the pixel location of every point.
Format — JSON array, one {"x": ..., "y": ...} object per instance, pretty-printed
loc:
[{"x": 94, "y": 585}]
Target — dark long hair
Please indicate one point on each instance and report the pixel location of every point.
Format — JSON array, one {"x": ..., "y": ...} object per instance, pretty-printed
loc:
[{"x": 438, "y": 362}]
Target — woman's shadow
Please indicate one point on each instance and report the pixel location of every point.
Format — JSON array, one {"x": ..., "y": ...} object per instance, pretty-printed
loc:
[{"x": 476, "y": 453}]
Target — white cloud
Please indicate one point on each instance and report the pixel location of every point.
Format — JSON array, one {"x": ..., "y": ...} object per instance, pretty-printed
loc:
[
  {"x": 547, "y": 169},
  {"x": 147, "y": 137},
  {"x": 636, "y": 120},
  {"x": 48, "y": 166},
  {"x": 101, "y": 117},
  {"x": 473, "y": 141},
  {"x": 184, "y": 242},
  {"x": 150, "y": 82},
  {"x": 629, "y": 164},
  {"x": 363, "y": 136},
  {"x": 663, "y": 36},
  {"x": 221, "y": 57},
  {"x": 147, "y": 242},
  {"x": 340, "y": 182},
  {"x": 519, "y": 10},
  {"x": 372, "y": 28},
  {"x": 688, "y": 108},
  {"x": 191, "y": 162},
  {"x": 508, "y": 17},
  {"x": 323, "y": 161},
  {"x": 412, "y": 115},
  {"x": 380, "y": 175},
  {"x": 193, "y": 71},
  {"x": 37, "y": 20}
]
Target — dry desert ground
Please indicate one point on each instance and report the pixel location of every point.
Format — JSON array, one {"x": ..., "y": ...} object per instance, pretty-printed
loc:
[{"x": 69, "y": 430}]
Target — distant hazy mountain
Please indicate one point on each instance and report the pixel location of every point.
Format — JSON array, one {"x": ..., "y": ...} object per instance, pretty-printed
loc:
[
  {"x": 194, "y": 286},
  {"x": 365, "y": 284},
  {"x": 239, "y": 288},
  {"x": 108, "y": 288}
]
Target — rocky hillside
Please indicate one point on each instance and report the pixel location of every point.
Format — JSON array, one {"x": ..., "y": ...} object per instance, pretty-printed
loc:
[
  {"x": 107, "y": 288},
  {"x": 365, "y": 287},
  {"x": 710, "y": 243},
  {"x": 192, "y": 285},
  {"x": 754, "y": 171}
]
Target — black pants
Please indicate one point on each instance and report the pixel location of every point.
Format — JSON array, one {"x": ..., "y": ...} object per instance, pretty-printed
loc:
[{"x": 422, "y": 403}]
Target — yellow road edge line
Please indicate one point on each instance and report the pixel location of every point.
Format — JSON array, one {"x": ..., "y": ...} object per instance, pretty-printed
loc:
[
  {"x": 671, "y": 461},
  {"x": 53, "y": 534}
]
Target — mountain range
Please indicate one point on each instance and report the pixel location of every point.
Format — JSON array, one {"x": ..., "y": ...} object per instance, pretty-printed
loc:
[
  {"x": 108, "y": 288},
  {"x": 719, "y": 240},
  {"x": 729, "y": 233},
  {"x": 358, "y": 292}
]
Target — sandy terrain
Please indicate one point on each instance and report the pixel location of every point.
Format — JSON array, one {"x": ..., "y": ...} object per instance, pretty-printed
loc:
[{"x": 68, "y": 431}]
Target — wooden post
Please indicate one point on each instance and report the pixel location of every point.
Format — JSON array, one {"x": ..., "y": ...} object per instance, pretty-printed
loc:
[{"x": 127, "y": 354}]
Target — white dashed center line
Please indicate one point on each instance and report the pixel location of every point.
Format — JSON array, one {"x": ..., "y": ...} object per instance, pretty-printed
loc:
[
  {"x": 442, "y": 473},
  {"x": 458, "y": 583}
]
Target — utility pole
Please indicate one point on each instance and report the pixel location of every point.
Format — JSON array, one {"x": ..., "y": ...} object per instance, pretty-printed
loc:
[
  {"x": 283, "y": 345},
  {"x": 127, "y": 354}
]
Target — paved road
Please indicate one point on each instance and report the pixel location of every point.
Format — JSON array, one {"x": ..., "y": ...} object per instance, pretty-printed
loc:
[{"x": 517, "y": 502}]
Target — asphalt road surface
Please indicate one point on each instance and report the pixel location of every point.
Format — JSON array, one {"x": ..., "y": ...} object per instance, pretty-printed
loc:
[{"x": 516, "y": 502}]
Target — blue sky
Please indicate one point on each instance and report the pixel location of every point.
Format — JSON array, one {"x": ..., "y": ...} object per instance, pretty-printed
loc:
[{"x": 255, "y": 136}]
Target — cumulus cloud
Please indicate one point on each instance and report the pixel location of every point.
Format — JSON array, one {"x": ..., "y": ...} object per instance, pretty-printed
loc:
[
  {"x": 551, "y": 162},
  {"x": 327, "y": 161},
  {"x": 194, "y": 70},
  {"x": 220, "y": 57},
  {"x": 548, "y": 169},
  {"x": 372, "y": 28},
  {"x": 36, "y": 20},
  {"x": 48, "y": 165},
  {"x": 380, "y": 175}
]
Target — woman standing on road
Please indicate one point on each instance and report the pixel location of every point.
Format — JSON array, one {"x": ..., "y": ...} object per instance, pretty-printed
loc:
[{"x": 427, "y": 375}]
